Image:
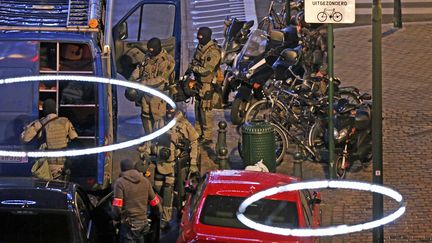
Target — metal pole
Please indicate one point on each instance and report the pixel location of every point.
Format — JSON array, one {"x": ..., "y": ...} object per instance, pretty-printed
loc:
[
  {"x": 330, "y": 101},
  {"x": 397, "y": 14},
  {"x": 287, "y": 12},
  {"x": 106, "y": 59},
  {"x": 297, "y": 166},
  {"x": 378, "y": 233},
  {"x": 221, "y": 146}
]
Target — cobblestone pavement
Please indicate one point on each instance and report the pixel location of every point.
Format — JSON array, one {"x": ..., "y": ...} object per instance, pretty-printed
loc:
[{"x": 407, "y": 131}]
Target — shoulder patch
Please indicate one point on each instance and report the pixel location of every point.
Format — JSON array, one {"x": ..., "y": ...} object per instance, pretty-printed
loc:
[{"x": 208, "y": 59}]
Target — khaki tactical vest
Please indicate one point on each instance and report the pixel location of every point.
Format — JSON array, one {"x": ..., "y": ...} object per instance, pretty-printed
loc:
[
  {"x": 56, "y": 133},
  {"x": 158, "y": 71},
  {"x": 208, "y": 58}
]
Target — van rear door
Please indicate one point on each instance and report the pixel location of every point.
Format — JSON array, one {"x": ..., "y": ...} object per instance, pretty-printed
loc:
[
  {"x": 144, "y": 21},
  {"x": 18, "y": 102}
]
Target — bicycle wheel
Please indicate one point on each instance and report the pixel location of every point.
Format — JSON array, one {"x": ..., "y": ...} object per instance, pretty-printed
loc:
[
  {"x": 281, "y": 144},
  {"x": 316, "y": 139},
  {"x": 340, "y": 171},
  {"x": 337, "y": 16},
  {"x": 322, "y": 16},
  {"x": 266, "y": 110}
]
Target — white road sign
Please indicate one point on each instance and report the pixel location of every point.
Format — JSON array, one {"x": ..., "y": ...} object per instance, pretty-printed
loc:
[{"x": 330, "y": 11}]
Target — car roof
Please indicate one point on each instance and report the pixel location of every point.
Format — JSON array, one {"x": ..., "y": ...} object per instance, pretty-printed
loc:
[
  {"x": 243, "y": 183},
  {"x": 32, "y": 193}
]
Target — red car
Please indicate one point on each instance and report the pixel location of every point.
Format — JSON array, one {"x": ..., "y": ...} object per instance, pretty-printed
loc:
[{"x": 210, "y": 212}]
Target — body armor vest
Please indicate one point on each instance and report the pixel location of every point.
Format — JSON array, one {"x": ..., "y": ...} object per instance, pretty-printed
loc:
[
  {"x": 56, "y": 133},
  {"x": 153, "y": 69},
  {"x": 200, "y": 56}
]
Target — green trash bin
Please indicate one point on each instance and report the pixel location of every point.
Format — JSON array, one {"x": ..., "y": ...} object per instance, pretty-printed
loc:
[{"x": 258, "y": 142}]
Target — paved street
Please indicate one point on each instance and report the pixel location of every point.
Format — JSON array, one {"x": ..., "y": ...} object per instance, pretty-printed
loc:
[
  {"x": 407, "y": 116},
  {"x": 407, "y": 127}
]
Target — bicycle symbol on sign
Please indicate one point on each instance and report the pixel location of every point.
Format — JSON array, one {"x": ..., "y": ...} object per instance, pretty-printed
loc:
[{"x": 330, "y": 13}]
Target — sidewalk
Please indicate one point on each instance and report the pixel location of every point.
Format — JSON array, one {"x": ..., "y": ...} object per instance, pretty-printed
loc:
[
  {"x": 407, "y": 124},
  {"x": 407, "y": 131},
  {"x": 407, "y": 128}
]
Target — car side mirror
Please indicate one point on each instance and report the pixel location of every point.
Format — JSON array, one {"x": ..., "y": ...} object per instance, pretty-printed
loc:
[
  {"x": 192, "y": 182},
  {"x": 122, "y": 31},
  {"x": 316, "y": 198},
  {"x": 190, "y": 189}
]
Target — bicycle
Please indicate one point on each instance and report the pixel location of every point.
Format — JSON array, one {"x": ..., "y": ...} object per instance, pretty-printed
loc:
[
  {"x": 329, "y": 13},
  {"x": 273, "y": 20}
]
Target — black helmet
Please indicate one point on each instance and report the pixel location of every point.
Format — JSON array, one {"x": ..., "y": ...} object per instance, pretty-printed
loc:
[
  {"x": 190, "y": 87},
  {"x": 180, "y": 96},
  {"x": 164, "y": 153},
  {"x": 343, "y": 105},
  {"x": 362, "y": 119},
  {"x": 132, "y": 94},
  {"x": 49, "y": 107},
  {"x": 290, "y": 56},
  {"x": 290, "y": 37}
]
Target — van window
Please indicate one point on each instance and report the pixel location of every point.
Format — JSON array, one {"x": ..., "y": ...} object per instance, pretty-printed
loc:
[
  {"x": 75, "y": 100},
  {"x": 17, "y": 59},
  {"x": 70, "y": 57},
  {"x": 152, "y": 15}
]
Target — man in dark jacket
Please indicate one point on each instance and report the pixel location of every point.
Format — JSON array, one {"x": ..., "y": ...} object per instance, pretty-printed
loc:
[{"x": 132, "y": 192}]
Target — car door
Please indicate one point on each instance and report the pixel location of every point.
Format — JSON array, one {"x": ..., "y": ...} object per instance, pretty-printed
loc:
[
  {"x": 190, "y": 210},
  {"x": 102, "y": 214},
  {"x": 103, "y": 220},
  {"x": 147, "y": 19},
  {"x": 83, "y": 212}
]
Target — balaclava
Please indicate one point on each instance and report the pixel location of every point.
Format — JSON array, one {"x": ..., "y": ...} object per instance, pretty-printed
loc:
[
  {"x": 154, "y": 46},
  {"x": 49, "y": 106},
  {"x": 204, "y": 35}
]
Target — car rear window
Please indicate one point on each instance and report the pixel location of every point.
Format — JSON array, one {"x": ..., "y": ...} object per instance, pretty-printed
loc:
[
  {"x": 221, "y": 211},
  {"x": 33, "y": 226}
]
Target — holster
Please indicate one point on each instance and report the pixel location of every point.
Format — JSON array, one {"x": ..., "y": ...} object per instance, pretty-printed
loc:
[
  {"x": 207, "y": 100},
  {"x": 137, "y": 225}
]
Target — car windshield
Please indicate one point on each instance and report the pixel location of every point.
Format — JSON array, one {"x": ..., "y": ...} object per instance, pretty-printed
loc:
[
  {"x": 34, "y": 226},
  {"x": 221, "y": 211},
  {"x": 256, "y": 44}
]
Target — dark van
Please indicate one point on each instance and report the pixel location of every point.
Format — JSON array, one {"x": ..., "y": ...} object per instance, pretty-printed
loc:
[{"x": 71, "y": 37}]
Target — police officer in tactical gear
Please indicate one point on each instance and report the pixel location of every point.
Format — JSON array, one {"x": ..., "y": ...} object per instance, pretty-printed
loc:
[
  {"x": 53, "y": 132},
  {"x": 132, "y": 192},
  {"x": 204, "y": 65},
  {"x": 156, "y": 71},
  {"x": 176, "y": 159}
]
